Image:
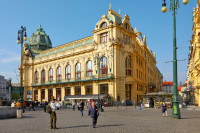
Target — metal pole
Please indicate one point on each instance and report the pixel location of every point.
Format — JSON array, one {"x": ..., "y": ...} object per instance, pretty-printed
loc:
[
  {"x": 175, "y": 109},
  {"x": 21, "y": 83},
  {"x": 98, "y": 59}
]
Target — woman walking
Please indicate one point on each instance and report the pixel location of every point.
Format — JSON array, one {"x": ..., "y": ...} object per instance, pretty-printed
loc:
[{"x": 164, "y": 108}]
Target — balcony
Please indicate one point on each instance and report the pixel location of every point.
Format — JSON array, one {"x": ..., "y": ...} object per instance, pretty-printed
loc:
[{"x": 74, "y": 80}]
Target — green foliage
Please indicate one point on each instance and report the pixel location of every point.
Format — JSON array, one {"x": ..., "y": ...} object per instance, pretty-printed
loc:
[{"x": 15, "y": 96}]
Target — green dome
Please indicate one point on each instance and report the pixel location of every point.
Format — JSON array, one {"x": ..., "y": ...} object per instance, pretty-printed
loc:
[{"x": 39, "y": 41}]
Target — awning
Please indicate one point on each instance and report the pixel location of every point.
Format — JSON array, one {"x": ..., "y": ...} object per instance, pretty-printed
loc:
[{"x": 101, "y": 96}]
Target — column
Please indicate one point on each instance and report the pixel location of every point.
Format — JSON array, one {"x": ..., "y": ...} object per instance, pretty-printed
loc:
[
  {"x": 46, "y": 94},
  {"x": 39, "y": 95},
  {"x": 62, "y": 93},
  {"x": 54, "y": 93},
  {"x": 72, "y": 90},
  {"x": 82, "y": 89}
]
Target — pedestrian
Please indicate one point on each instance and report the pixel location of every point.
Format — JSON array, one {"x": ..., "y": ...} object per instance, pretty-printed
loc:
[
  {"x": 45, "y": 105},
  {"x": 140, "y": 106},
  {"x": 58, "y": 105},
  {"x": 18, "y": 105},
  {"x": 53, "y": 118},
  {"x": 31, "y": 106},
  {"x": 24, "y": 106},
  {"x": 81, "y": 107},
  {"x": 93, "y": 113},
  {"x": 13, "y": 104},
  {"x": 101, "y": 105},
  {"x": 73, "y": 105},
  {"x": 134, "y": 103},
  {"x": 164, "y": 109}
]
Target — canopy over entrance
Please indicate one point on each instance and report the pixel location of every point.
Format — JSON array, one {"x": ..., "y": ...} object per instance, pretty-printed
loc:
[{"x": 101, "y": 96}]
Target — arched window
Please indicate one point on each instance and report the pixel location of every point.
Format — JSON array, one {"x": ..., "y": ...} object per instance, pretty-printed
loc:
[
  {"x": 50, "y": 74},
  {"x": 68, "y": 72},
  {"x": 78, "y": 71},
  {"x": 128, "y": 66},
  {"x": 104, "y": 24},
  {"x": 103, "y": 66},
  {"x": 43, "y": 76},
  {"x": 89, "y": 69},
  {"x": 36, "y": 77},
  {"x": 59, "y": 76}
]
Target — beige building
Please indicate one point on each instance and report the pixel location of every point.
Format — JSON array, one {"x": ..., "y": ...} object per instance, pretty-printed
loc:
[
  {"x": 127, "y": 68},
  {"x": 193, "y": 70}
]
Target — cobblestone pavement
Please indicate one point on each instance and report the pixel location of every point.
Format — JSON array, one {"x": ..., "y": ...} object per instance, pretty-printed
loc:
[{"x": 113, "y": 120}]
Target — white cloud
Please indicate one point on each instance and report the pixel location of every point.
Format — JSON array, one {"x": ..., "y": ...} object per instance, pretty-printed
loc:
[
  {"x": 10, "y": 59},
  {"x": 8, "y": 56}
]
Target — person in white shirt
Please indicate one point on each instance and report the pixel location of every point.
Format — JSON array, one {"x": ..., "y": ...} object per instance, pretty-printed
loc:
[
  {"x": 58, "y": 105},
  {"x": 53, "y": 115}
]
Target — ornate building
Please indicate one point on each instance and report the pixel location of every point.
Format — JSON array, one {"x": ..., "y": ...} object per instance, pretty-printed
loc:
[
  {"x": 127, "y": 68},
  {"x": 193, "y": 69}
]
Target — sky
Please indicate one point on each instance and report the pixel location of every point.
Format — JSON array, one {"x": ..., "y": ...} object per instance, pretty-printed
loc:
[{"x": 68, "y": 20}]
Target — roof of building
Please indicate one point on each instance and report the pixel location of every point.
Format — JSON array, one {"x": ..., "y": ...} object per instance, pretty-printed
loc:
[
  {"x": 179, "y": 88},
  {"x": 167, "y": 83},
  {"x": 39, "y": 41}
]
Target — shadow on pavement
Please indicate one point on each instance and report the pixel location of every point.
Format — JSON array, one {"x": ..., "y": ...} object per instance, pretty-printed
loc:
[
  {"x": 98, "y": 126},
  {"x": 115, "y": 125},
  {"x": 28, "y": 117},
  {"x": 76, "y": 126}
]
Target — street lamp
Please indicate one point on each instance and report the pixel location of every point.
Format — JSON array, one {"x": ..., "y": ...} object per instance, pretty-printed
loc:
[
  {"x": 174, "y": 5},
  {"x": 20, "y": 39},
  {"x": 97, "y": 61}
]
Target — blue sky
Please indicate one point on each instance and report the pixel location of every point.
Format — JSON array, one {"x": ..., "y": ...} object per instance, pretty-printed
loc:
[{"x": 68, "y": 20}]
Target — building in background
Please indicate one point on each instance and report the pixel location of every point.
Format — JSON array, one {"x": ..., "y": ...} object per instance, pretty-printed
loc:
[
  {"x": 167, "y": 87},
  {"x": 193, "y": 69},
  {"x": 127, "y": 66},
  {"x": 4, "y": 90}
]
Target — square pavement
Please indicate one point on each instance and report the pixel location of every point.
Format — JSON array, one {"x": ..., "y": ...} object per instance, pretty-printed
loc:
[{"x": 112, "y": 120}]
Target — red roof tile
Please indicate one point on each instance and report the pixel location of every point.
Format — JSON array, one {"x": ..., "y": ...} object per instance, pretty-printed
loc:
[{"x": 167, "y": 83}]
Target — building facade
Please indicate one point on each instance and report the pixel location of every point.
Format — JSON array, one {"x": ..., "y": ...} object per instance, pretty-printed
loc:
[
  {"x": 116, "y": 57},
  {"x": 193, "y": 69},
  {"x": 168, "y": 87},
  {"x": 4, "y": 91}
]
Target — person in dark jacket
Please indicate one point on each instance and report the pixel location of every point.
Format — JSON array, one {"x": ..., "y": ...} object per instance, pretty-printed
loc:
[
  {"x": 45, "y": 105},
  {"x": 81, "y": 107},
  {"x": 93, "y": 113},
  {"x": 164, "y": 108},
  {"x": 31, "y": 106}
]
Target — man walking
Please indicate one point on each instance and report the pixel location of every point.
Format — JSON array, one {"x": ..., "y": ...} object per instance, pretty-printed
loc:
[
  {"x": 93, "y": 113},
  {"x": 53, "y": 115},
  {"x": 140, "y": 106},
  {"x": 81, "y": 107},
  {"x": 31, "y": 106}
]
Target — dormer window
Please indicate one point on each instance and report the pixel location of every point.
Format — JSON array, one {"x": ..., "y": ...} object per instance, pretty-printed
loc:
[
  {"x": 104, "y": 24},
  {"x": 126, "y": 26},
  {"x": 104, "y": 37}
]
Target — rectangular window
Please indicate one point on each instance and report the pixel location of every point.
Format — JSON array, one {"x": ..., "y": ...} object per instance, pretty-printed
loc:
[
  {"x": 88, "y": 90},
  {"x": 104, "y": 89},
  {"x": 78, "y": 90},
  {"x": 104, "y": 37},
  {"x": 128, "y": 91},
  {"x": 50, "y": 94},
  {"x": 58, "y": 94},
  {"x": 67, "y": 91},
  {"x": 42, "y": 94}
]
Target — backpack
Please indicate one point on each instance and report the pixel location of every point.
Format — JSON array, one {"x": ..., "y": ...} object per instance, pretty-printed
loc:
[{"x": 48, "y": 108}]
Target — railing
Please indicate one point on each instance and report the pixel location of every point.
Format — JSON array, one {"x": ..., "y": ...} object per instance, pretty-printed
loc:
[{"x": 71, "y": 80}]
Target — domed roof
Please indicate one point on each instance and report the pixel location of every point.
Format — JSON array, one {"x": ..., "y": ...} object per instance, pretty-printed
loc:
[{"x": 39, "y": 41}]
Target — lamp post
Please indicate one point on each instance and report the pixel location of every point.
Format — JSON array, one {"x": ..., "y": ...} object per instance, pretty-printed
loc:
[
  {"x": 97, "y": 60},
  {"x": 20, "y": 39},
  {"x": 174, "y": 5}
]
